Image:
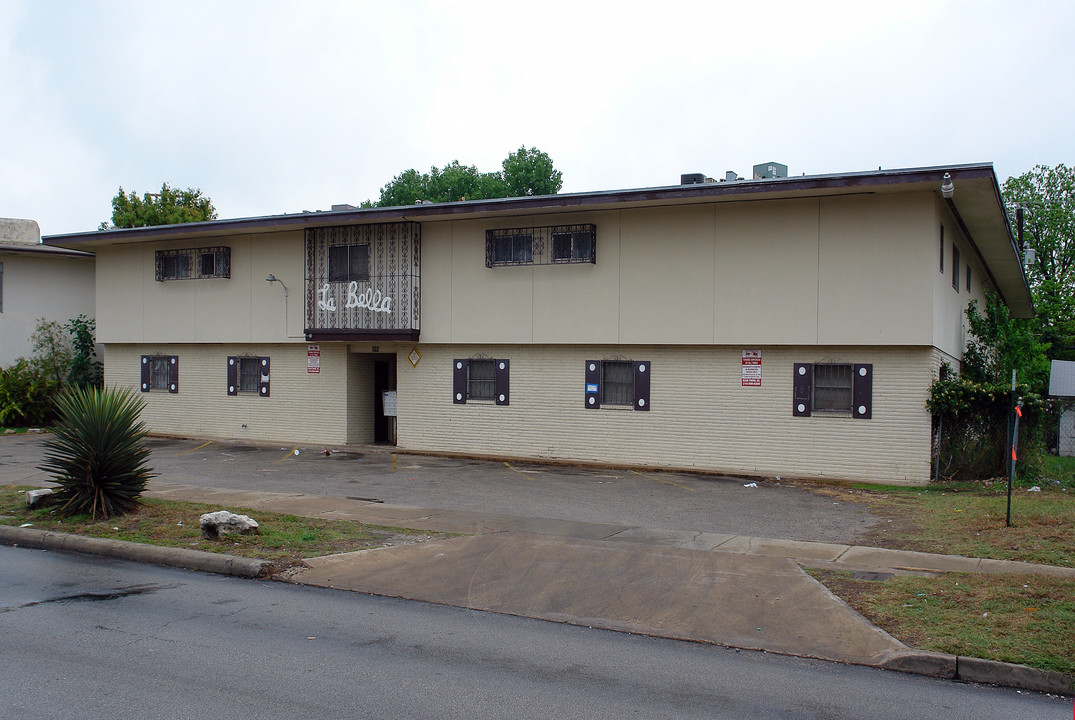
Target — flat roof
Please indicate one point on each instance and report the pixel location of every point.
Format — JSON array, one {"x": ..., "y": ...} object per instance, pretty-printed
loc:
[
  {"x": 976, "y": 204},
  {"x": 29, "y": 248}
]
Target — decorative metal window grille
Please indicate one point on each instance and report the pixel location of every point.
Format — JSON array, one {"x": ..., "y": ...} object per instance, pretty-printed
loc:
[
  {"x": 617, "y": 382},
  {"x": 249, "y": 374},
  {"x": 541, "y": 245},
  {"x": 349, "y": 262},
  {"x": 159, "y": 373},
  {"x": 481, "y": 380},
  {"x": 188, "y": 263},
  {"x": 363, "y": 278},
  {"x": 832, "y": 389}
]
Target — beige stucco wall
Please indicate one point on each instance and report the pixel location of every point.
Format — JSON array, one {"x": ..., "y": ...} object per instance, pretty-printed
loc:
[
  {"x": 701, "y": 416},
  {"x": 133, "y": 307},
  {"x": 949, "y": 303},
  {"x": 40, "y": 285},
  {"x": 301, "y": 407},
  {"x": 836, "y": 270}
]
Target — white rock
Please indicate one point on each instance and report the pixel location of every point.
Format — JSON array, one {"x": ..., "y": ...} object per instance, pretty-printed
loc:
[
  {"x": 39, "y": 497},
  {"x": 220, "y": 523}
]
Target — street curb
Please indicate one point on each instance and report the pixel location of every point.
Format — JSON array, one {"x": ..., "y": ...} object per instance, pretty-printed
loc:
[
  {"x": 968, "y": 669},
  {"x": 136, "y": 552}
]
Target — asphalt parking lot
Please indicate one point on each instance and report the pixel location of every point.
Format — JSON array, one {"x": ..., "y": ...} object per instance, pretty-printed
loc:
[{"x": 674, "y": 501}]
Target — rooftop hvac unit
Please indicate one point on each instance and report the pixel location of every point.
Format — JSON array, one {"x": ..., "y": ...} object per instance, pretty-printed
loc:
[
  {"x": 691, "y": 178},
  {"x": 770, "y": 170}
]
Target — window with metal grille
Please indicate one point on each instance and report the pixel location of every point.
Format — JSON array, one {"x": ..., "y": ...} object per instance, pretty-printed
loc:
[
  {"x": 481, "y": 380},
  {"x": 513, "y": 249},
  {"x": 832, "y": 389},
  {"x": 348, "y": 263},
  {"x": 617, "y": 382},
  {"x": 541, "y": 245},
  {"x": 160, "y": 372},
  {"x": 249, "y": 374},
  {"x": 572, "y": 246},
  {"x": 188, "y": 263}
]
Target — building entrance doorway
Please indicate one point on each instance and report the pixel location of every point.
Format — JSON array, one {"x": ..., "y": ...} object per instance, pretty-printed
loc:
[{"x": 384, "y": 414}]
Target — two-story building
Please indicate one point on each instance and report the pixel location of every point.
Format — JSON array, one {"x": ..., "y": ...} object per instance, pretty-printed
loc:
[
  {"x": 782, "y": 326},
  {"x": 38, "y": 281}
]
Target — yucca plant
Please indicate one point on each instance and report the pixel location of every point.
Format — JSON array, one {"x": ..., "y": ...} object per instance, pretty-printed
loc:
[{"x": 96, "y": 453}]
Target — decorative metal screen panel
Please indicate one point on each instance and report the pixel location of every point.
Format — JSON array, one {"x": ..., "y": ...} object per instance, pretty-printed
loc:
[
  {"x": 549, "y": 245},
  {"x": 192, "y": 263},
  {"x": 388, "y": 301}
]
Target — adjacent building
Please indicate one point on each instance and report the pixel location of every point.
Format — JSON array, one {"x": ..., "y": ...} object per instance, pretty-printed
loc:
[
  {"x": 38, "y": 281},
  {"x": 774, "y": 326}
]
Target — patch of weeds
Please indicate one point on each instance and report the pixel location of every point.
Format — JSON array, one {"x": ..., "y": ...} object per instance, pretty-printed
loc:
[
  {"x": 1024, "y": 619},
  {"x": 284, "y": 539},
  {"x": 968, "y": 518}
]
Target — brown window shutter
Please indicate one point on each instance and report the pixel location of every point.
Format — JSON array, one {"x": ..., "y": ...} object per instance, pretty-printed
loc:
[
  {"x": 145, "y": 373},
  {"x": 642, "y": 370},
  {"x": 173, "y": 373},
  {"x": 500, "y": 382},
  {"x": 862, "y": 392},
  {"x": 233, "y": 375},
  {"x": 263, "y": 377},
  {"x": 593, "y": 378},
  {"x": 459, "y": 382},
  {"x": 802, "y": 389}
]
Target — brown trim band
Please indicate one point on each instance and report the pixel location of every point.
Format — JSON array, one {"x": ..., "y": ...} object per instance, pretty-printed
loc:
[{"x": 349, "y": 335}]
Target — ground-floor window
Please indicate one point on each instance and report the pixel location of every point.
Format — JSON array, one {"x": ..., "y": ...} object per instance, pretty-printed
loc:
[
  {"x": 160, "y": 372},
  {"x": 617, "y": 383},
  {"x": 480, "y": 380},
  {"x": 247, "y": 374},
  {"x": 835, "y": 389}
]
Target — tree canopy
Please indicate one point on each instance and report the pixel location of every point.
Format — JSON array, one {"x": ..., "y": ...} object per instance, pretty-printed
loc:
[
  {"x": 1047, "y": 196},
  {"x": 168, "y": 207},
  {"x": 525, "y": 172}
]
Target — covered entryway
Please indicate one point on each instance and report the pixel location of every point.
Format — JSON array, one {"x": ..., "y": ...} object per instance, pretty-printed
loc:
[{"x": 384, "y": 399}]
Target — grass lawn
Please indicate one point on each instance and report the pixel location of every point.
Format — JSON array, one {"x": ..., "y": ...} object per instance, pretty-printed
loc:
[
  {"x": 1025, "y": 619},
  {"x": 285, "y": 539},
  {"x": 1013, "y": 618}
]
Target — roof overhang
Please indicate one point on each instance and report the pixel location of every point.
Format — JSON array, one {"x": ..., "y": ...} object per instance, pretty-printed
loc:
[{"x": 976, "y": 203}]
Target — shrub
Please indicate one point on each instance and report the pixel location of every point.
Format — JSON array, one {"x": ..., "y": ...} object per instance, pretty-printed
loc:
[
  {"x": 96, "y": 453},
  {"x": 26, "y": 394}
]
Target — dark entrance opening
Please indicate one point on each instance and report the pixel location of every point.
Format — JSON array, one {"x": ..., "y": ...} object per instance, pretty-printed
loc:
[{"x": 384, "y": 379}]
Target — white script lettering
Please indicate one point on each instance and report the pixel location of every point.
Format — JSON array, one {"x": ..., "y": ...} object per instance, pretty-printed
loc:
[
  {"x": 370, "y": 299},
  {"x": 325, "y": 302}
]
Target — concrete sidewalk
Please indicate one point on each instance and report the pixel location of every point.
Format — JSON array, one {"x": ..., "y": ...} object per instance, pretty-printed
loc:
[{"x": 734, "y": 590}]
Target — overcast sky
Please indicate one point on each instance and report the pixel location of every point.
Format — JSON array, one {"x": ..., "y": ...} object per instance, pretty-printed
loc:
[{"x": 276, "y": 107}]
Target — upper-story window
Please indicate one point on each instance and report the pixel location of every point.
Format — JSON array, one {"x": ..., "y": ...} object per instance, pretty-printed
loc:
[
  {"x": 187, "y": 263},
  {"x": 348, "y": 263},
  {"x": 541, "y": 245}
]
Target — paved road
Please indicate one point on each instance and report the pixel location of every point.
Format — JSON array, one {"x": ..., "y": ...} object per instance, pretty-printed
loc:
[
  {"x": 674, "y": 501},
  {"x": 85, "y": 637}
]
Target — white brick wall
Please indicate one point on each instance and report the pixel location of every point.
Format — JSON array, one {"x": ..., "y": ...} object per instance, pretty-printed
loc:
[
  {"x": 701, "y": 416},
  {"x": 301, "y": 407}
]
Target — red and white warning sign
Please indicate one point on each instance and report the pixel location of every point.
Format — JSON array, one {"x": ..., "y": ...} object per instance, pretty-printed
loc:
[
  {"x": 313, "y": 358},
  {"x": 752, "y": 368}
]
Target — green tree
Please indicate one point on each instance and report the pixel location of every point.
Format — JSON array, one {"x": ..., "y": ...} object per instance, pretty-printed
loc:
[
  {"x": 1047, "y": 196},
  {"x": 525, "y": 172},
  {"x": 530, "y": 172},
  {"x": 168, "y": 207},
  {"x": 997, "y": 344},
  {"x": 53, "y": 351},
  {"x": 85, "y": 368}
]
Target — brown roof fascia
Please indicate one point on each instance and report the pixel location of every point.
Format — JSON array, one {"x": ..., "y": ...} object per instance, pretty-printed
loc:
[{"x": 546, "y": 203}]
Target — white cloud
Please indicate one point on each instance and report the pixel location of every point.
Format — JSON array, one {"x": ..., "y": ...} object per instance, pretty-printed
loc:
[{"x": 281, "y": 106}]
